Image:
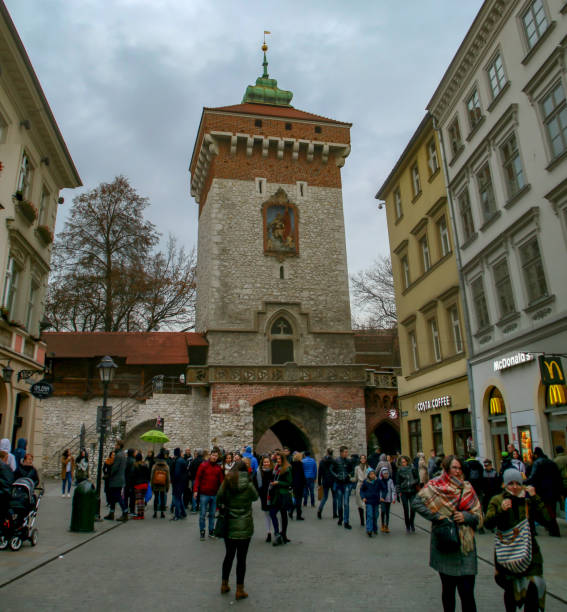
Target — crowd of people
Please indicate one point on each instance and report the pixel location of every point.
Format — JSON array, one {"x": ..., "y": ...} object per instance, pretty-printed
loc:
[{"x": 459, "y": 496}]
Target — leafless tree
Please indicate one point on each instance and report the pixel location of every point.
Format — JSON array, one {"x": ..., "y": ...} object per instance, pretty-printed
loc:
[
  {"x": 373, "y": 293},
  {"x": 107, "y": 274}
]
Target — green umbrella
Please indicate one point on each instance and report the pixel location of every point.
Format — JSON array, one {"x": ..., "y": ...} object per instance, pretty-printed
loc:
[{"x": 155, "y": 437}]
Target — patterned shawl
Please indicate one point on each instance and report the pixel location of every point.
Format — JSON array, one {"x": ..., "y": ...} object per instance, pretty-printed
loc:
[{"x": 441, "y": 495}]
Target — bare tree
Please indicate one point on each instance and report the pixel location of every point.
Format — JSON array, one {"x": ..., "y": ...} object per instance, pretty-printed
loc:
[
  {"x": 373, "y": 292},
  {"x": 106, "y": 273}
]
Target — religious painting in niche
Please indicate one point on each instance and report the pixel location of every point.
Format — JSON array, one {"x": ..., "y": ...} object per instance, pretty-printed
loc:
[{"x": 280, "y": 219}]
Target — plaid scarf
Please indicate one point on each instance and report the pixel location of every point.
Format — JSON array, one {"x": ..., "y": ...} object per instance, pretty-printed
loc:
[{"x": 446, "y": 495}]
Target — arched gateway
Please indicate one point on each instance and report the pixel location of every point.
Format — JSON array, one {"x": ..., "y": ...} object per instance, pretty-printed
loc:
[{"x": 295, "y": 422}]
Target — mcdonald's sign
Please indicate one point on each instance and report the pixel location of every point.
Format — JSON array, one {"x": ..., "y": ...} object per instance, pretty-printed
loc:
[
  {"x": 551, "y": 371},
  {"x": 556, "y": 395},
  {"x": 496, "y": 406}
]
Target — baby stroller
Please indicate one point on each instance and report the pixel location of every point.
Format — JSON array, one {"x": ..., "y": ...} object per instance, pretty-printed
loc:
[{"x": 22, "y": 513}]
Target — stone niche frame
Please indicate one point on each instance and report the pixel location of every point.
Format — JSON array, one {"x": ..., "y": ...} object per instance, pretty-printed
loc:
[{"x": 280, "y": 199}]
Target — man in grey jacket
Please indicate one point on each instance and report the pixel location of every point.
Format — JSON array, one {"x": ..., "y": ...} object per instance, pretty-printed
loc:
[{"x": 116, "y": 482}]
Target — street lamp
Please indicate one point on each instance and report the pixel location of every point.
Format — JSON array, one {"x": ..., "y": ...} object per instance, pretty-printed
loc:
[
  {"x": 106, "y": 369},
  {"x": 7, "y": 373}
]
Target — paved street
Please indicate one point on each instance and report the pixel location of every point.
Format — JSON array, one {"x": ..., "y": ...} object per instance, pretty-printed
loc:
[{"x": 158, "y": 564}]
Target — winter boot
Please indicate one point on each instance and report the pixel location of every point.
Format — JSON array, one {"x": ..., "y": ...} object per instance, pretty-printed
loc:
[
  {"x": 240, "y": 592},
  {"x": 361, "y": 514},
  {"x": 224, "y": 588}
]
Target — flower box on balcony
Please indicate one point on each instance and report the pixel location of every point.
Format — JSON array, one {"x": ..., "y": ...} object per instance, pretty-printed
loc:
[
  {"x": 45, "y": 234},
  {"x": 27, "y": 210}
]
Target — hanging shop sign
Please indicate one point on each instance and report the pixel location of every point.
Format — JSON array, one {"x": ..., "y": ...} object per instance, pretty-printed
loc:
[
  {"x": 436, "y": 402},
  {"x": 513, "y": 360},
  {"x": 41, "y": 389},
  {"x": 551, "y": 371}
]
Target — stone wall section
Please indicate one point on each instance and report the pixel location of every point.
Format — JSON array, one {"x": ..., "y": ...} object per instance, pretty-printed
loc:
[
  {"x": 347, "y": 427},
  {"x": 236, "y": 278}
]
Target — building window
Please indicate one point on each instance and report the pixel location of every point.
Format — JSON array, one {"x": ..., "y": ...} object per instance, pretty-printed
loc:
[
  {"x": 425, "y": 258},
  {"x": 415, "y": 437},
  {"x": 512, "y": 164},
  {"x": 302, "y": 188},
  {"x": 456, "y": 327},
  {"x": 398, "y": 203},
  {"x": 479, "y": 302},
  {"x": 318, "y": 129},
  {"x": 462, "y": 432},
  {"x": 435, "y": 339},
  {"x": 288, "y": 126},
  {"x": 496, "y": 75},
  {"x": 554, "y": 109},
  {"x": 281, "y": 341},
  {"x": 25, "y": 177},
  {"x": 503, "y": 286},
  {"x": 405, "y": 271},
  {"x": 31, "y": 305},
  {"x": 444, "y": 241},
  {"x": 3, "y": 129},
  {"x": 432, "y": 159},
  {"x": 486, "y": 192},
  {"x": 415, "y": 180},
  {"x": 261, "y": 186},
  {"x": 535, "y": 22},
  {"x": 282, "y": 273},
  {"x": 413, "y": 348},
  {"x": 473, "y": 109},
  {"x": 455, "y": 137},
  {"x": 437, "y": 429},
  {"x": 43, "y": 207},
  {"x": 257, "y": 123},
  {"x": 9, "y": 297},
  {"x": 532, "y": 269},
  {"x": 465, "y": 212}
]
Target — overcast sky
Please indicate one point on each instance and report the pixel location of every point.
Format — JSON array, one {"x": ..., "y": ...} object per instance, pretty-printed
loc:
[{"x": 127, "y": 81}]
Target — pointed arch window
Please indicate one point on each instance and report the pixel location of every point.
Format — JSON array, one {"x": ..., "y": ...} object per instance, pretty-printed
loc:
[{"x": 281, "y": 341}]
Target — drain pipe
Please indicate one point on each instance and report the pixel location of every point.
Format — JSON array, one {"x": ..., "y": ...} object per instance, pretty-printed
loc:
[{"x": 468, "y": 328}]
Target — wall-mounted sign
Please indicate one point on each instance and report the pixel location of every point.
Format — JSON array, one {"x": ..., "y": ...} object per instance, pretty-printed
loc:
[
  {"x": 41, "y": 389},
  {"x": 436, "y": 402},
  {"x": 513, "y": 360},
  {"x": 393, "y": 413},
  {"x": 551, "y": 371}
]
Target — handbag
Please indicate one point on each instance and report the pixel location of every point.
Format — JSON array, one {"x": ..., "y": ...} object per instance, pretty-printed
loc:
[
  {"x": 447, "y": 533},
  {"x": 320, "y": 492},
  {"x": 221, "y": 525},
  {"x": 513, "y": 547}
]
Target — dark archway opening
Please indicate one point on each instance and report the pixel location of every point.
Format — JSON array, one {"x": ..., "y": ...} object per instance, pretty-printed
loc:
[
  {"x": 291, "y": 436},
  {"x": 387, "y": 437}
]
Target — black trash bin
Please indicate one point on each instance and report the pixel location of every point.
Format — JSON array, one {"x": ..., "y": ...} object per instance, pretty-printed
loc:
[{"x": 84, "y": 507}]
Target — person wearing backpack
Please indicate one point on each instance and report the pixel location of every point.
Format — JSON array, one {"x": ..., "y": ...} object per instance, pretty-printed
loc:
[
  {"x": 407, "y": 480},
  {"x": 160, "y": 481}
]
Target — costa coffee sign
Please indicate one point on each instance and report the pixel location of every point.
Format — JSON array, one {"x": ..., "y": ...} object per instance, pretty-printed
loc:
[{"x": 432, "y": 404}]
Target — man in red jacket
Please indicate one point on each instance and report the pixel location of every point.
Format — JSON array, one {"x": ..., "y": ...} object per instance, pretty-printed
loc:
[{"x": 207, "y": 482}]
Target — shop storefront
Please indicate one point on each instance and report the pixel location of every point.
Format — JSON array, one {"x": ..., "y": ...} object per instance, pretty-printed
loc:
[{"x": 437, "y": 418}]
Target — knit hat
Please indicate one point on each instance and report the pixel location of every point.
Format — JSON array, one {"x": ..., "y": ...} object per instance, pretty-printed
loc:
[
  {"x": 248, "y": 449},
  {"x": 370, "y": 469},
  {"x": 511, "y": 475}
]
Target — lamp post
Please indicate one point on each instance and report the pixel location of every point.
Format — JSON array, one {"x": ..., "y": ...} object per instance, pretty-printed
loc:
[{"x": 106, "y": 369}]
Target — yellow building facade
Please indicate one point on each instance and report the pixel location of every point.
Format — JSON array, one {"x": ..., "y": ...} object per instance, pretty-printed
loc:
[
  {"x": 34, "y": 166},
  {"x": 433, "y": 393}
]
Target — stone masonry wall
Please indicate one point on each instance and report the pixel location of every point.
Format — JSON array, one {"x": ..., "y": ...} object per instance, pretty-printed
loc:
[{"x": 236, "y": 278}]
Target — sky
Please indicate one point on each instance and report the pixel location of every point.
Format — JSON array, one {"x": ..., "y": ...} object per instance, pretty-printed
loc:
[{"x": 127, "y": 81}]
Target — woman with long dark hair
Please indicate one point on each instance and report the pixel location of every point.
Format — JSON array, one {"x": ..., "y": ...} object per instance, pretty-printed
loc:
[
  {"x": 279, "y": 498},
  {"x": 67, "y": 470},
  {"x": 263, "y": 478},
  {"x": 450, "y": 498},
  {"x": 106, "y": 469},
  {"x": 234, "y": 500},
  {"x": 297, "y": 484},
  {"x": 82, "y": 466},
  {"x": 140, "y": 482}
]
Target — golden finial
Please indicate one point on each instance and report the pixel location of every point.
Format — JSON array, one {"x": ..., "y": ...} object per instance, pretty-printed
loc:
[{"x": 265, "y": 46}]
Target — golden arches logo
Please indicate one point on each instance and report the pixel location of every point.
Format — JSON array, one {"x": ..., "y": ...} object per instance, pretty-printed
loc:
[
  {"x": 557, "y": 395},
  {"x": 553, "y": 366},
  {"x": 551, "y": 371}
]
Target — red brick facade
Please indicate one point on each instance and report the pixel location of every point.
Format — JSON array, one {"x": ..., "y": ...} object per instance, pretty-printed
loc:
[
  {"x": 337, "y": 397},
  {"x": 378, "y": 404}
]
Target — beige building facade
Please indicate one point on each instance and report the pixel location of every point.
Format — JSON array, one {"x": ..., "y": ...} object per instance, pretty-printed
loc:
[
  {"x": 35, "y": 166},
  {"x": 433, "y": 393}
]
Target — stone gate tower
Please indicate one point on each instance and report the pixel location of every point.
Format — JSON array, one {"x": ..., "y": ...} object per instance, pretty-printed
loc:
[{"x": 273, "y": 297}]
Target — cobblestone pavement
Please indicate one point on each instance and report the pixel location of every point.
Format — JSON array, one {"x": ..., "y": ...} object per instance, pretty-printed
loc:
[{"x": 158, "y": 564}]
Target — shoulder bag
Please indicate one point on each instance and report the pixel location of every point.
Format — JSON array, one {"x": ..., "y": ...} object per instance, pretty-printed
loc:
[
  {"x": 513, "y": 547},
  {"x": 447, "y": 534}
]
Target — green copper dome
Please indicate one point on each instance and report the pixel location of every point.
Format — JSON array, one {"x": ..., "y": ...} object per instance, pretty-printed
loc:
[{"x": 266, "y": 90}]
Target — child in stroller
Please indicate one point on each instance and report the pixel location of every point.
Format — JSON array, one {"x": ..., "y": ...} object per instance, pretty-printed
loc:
[{"x": 19, "y": 522}]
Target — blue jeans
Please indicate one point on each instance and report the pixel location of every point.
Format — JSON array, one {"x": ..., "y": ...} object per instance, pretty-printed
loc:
[
  {"x": 178, "y": 505},
  {"x": 372, "y": 511},
  {"x": 326, "y": 496},
  {"x": 66, "y": 481},
  {"x": 309, "y": 489},
  {"x": 211, "y": 502},
  {"x": 342, "y": 491}
]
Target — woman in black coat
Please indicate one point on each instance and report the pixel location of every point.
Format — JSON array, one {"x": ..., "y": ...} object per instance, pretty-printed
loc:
[
  {"x": 264, "y": 475},
  {"x": 297, "y": 485}
]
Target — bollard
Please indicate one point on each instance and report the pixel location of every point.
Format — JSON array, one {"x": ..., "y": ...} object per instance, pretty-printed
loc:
[{"x": 84, "y": 507}]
